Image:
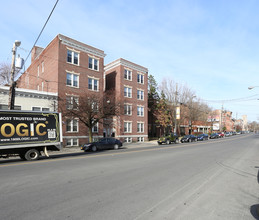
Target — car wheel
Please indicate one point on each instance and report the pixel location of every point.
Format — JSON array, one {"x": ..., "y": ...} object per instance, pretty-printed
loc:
[
  {"x": 94, "y": 148},
  {"x": 116, "y": 147},
  {"x": 32, "y": 154},
  {"x": 190, "y": 140},
  {"x": 168, "y": 142}
]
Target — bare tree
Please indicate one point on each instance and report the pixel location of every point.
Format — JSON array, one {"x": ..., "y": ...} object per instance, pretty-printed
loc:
[
  {"x": 193, "y": 109},
  {"x": 90, "y": 109},
  {"x": 5, "y": 73}
]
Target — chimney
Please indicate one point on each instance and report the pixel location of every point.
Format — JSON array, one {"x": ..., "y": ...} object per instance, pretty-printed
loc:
[{"x": 35, "y": 52}]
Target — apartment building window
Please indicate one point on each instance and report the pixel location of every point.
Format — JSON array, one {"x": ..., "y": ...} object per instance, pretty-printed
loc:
[
  {"x": 128, "y": 139},
  {"x": 140, "y": 139},
  {"x": 140, "y": 94},
  {"x": 140, "y": 127},
  {"x": 72, "y": 102},
  {"x": 93, "y": 84},
  {"x": 127, "y": 74},
  {"x": 72, "y": 80},
  {"x": 42, "y": 66},
  {"x": 140, "y": 78},
  {"x": 93, "y": 64},
  {"x": 5, "y": 107},
  {"x": 127, "y": 92},
  {"x": 36, "y": 109},
  {"x": 95, "y": 128},
  {"x": 127, "y": 127},
  {"x": 40, "y": 109},
  {"x": 38, "y": 70},
  {"x": 72, "y": 142},
  {"x": 127, "y": 109},
  {"x": 72, "y": 125},
  {"x": 72, "y": 57},
  {"x": 140, "y": 111},
  {"x": 94, "y": 106}
]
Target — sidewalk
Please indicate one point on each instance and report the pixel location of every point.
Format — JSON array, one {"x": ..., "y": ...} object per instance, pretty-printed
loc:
[{"x": 133, "y": 145}]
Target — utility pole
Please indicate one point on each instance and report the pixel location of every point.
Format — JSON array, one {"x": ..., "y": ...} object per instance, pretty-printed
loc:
[
  {"x": 13, "y": 84},
  {"x": 176, "y": 104}
]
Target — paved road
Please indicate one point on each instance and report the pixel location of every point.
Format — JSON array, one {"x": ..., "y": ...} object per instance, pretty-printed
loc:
[{"x": 215, "y": 179}]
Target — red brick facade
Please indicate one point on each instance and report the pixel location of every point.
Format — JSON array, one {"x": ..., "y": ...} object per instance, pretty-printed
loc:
[
  {"x": 67, "y": 67},
  {"x": 131, "y": 83}
]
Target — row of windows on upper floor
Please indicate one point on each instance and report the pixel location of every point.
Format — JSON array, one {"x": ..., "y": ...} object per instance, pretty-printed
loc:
[
  {"x": 93, "y": 64},
  {"x": 73, "y": 58},
  {"x": 18, "y": 107},
  {"x": 73, "y": 103},
  {"x": 93, "y": 84},
  {"x": 128, "y": 76}
]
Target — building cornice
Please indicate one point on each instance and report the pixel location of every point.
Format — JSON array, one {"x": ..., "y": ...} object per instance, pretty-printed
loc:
[
  {"x": 30, "y": 93},
  {"x": 80, "y": 46},
  {"x": 127, "y": 64}
]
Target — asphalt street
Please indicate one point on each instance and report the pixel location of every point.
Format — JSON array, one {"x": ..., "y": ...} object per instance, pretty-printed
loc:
[{"x": 215, "y": 179}]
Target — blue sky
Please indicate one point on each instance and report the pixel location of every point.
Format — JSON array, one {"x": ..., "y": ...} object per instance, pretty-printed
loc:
[{"x": 212, "y": 46}]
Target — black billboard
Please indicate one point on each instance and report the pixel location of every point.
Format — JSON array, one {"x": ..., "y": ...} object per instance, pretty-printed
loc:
[{"x": 20, "y": 127}]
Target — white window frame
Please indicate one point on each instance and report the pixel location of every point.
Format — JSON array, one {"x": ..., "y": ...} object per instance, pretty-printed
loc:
[
  {"x": 127, "y": 109},
  {"x": 72, "y": 142},
  {"x": 93, "y": 85},
  {"x": 71, "y": 122},
  {"x": 73, "y": 75},
  {"x": 95, "y": 128},
  {"x": 140, "y": 78},
  {"x": 128, "y": 127},
  {"x": 73, "y": 57},
  {"x": 42, "y": 66},
  {"x": 127, "y": 93},
  {"x": 141, "y": 139},
  {"x": 140, "y": 111},
  {"x": 128, "y": 74},
  {"x": 140, "y": 127},
  {"x": 128, "y": 139},
  {"x": 140, "y": 94},
  {"x": 38, "y": 70},
  {"x": 40, "y": 108},
  {"x": 93, "y": 59},
  {"x": 70, "y": 102},
  {"x": 35, "y": 108}
]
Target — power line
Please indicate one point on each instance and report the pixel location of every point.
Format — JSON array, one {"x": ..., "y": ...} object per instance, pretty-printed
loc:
[
  {"x": 41, "y": 30},
  {"x": 248, "y": 98}
]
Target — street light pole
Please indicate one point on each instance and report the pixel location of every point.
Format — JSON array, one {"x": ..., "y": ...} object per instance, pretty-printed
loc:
[{"x": 12, "y": 83}]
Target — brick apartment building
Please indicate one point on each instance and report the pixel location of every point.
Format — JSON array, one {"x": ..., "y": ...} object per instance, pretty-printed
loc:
[
  {"x": 71, "y": 69},
  {"x": 131, "y": 83}
]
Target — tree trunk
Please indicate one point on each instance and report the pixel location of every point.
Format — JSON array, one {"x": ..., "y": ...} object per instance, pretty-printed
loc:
[{"x": 90, "y": 135}]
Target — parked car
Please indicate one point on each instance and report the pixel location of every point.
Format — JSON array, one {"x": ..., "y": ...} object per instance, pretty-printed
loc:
[
  {"x": 214, "y": 136},
  {"x": 227, "y": 134},
  {"x": 189, "y": 138},
  {"x": 221, "y": 134},
  {"x": 202, "y": 137},
  {"x": 102, "y": 144},
  {"x": 168, "y": 139}
]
